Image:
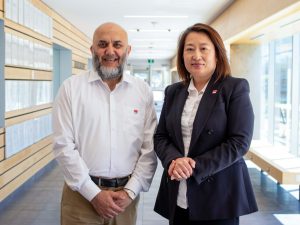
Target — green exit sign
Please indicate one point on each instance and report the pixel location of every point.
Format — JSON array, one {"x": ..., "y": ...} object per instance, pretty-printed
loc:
[{"x": 150, "y": 61}]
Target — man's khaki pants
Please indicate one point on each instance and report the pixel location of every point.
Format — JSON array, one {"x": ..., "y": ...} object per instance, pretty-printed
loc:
[{"x": 76, "y": 210}]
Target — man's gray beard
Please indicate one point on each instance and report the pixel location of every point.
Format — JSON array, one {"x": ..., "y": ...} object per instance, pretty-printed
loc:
[{"x": 108, "y": 73}]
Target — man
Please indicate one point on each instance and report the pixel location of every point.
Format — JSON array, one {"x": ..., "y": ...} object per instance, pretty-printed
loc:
[{"x": 103, "y": 124}]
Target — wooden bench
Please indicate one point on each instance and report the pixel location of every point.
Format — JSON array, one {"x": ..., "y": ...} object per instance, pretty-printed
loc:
[{"x": 277, "y": 162}]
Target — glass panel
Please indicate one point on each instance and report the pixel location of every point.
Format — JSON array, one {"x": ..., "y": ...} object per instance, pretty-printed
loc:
[
  {"x": 158, "y": 97},
  {"x": 25, "y": 13},
  {"x": 143, "y": 74},
  {"x": 264, "y": 90},
  {"x": 157, "y": 79},
  {"x": 298, "y": 150},
  {"x": 22, "y": 135},
  {"x": 24, "y": 52},
  {"x": 282, "y": 107},
  {"x": 20, "y": 94}
]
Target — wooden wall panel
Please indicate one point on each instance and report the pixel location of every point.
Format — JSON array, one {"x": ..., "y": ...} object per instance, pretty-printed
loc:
[
  {"x": 74, "y": 66},
  {"x": 1, "y": 9},
  {"x": 24, "y": 36},
  {"x": 79, "y": 59},
  {"x": 21, "y": 179},
  {"x": 42, "y": 6},
  {"x": 20, "y": 119},
  {"x": 1, "y": 153},
  {"x": 17, "y": 169},
  {"x": 14, "y": 160},
  {"x": 2, "y": 143},
  {"x": 70, "y": 33},
  {"x": 250, "y": 17},
  {"x": 76, "y": 71},
  {"x": 20, "y": 112},
  {"x": 23, "y": 166},
  {"x": 21, "y": 29},
  {"x": 71, "y": 38},
  {"x": 74, "y": 50},
  {"x": 16, "y": 73},
  {"x": 75, "y": 45},
  {"x": 57, "y": 19}
]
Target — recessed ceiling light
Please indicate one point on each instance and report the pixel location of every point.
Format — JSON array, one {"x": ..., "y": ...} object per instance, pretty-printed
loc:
[
  {"x": 150, "y": 50},
  {"x": 153, "y": 39},
  {"x": 152, "y": 30},
  {"x": 156, "y": 16},
  {"x": 257, "y": 37},
  {"x": 144, "y": 46},
  {"x": 290, "y": 22}
]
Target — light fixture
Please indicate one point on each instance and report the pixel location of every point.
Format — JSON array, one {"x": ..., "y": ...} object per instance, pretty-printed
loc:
[
  {"x": 257, "y": 37},
  {"x": 152, "y": 30},
  {"x": 156, "y": 16},
  {"x": 289, "y": 23},
  {"x": 153, "y": 39},
  {"x": 144, "y": 46}
]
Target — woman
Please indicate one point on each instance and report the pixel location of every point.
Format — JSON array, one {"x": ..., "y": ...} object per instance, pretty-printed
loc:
[{"x": 205, "y": 129}]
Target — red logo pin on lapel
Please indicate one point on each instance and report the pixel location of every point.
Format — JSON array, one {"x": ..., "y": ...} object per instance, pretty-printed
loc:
[{"x": 135, "y": 111}]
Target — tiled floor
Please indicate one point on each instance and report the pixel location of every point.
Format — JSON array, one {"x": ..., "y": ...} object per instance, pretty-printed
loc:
[{"x": 39, "y": 203}]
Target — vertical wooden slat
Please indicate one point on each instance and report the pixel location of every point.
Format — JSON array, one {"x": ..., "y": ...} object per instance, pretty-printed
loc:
[
  {"x": 1, "y": 140},
  {"x": 1, "y": 5},
  {"x": 1, "y": 153}
]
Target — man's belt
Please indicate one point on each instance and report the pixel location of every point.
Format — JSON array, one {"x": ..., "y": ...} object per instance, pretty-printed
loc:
[{"x": 110, "y": 182}]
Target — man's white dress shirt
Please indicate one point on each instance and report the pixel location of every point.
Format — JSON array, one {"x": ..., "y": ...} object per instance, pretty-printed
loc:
[
  {"x": 187, "y": 120},
  {"x": 104, "y": 133}
]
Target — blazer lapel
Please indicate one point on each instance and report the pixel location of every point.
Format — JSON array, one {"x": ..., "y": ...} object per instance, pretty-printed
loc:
[
  {"x": 204, "y": 109},
  {"x": 181, "y": 97}
]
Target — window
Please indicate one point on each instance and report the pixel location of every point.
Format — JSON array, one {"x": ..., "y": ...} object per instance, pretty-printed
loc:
[
  {"x": 143, "y": 74},
  {"x": 280, "y": 122},
  {"x": 282, "y": 87},
  {"x": 265, "y": 95},
  {"x": 157, "y": 79}
]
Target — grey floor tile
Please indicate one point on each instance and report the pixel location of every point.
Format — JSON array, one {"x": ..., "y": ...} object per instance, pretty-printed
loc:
[{"x": 40, "y": 204}]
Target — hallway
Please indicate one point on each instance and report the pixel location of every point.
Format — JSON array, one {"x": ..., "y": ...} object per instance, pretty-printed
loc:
[{"x": 38, "y": 203}]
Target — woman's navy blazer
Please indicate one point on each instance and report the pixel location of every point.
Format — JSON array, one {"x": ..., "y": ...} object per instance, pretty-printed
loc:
[{"x": 220, "y": 186}]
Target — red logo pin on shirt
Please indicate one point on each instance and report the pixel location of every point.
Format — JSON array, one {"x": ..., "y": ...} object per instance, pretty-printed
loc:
[
  {"x": 135, "y": 111},
  {"x": 214, "y": 91}
]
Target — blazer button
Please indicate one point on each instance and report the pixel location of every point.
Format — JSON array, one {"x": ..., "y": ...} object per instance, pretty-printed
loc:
[
  {"x": 209, "y": 132},
  {"x": 210, "y": 179}
]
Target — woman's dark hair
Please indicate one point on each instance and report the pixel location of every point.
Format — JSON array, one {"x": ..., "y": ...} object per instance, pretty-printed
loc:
[{"x": 222, "y": 68}]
